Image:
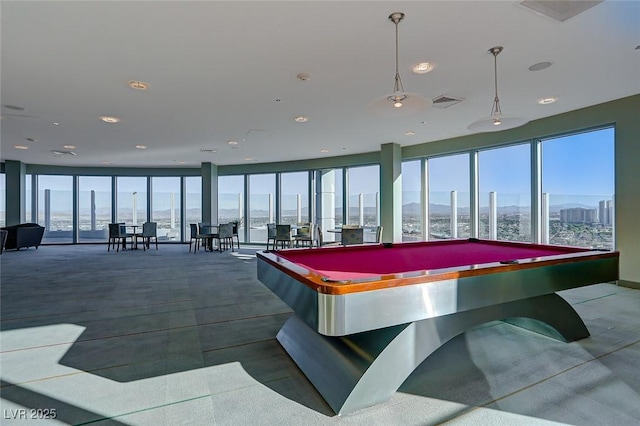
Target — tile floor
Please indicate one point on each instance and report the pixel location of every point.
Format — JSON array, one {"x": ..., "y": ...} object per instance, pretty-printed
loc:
[{"x": 169, "y": 337}]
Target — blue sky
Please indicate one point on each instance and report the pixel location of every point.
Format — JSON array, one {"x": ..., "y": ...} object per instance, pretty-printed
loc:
[{"x": 579, "y": 165}]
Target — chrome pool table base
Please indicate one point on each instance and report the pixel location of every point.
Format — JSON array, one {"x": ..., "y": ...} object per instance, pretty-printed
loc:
[{"x": 360, "y": 370}]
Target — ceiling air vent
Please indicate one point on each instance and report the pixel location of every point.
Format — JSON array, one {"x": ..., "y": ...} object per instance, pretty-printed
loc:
[
  {"x": 58, "y": 152},
  {"x": 445, "y": 101},
  {"x": 560, "y": 10},
  {"x": 209, "y": 150}
]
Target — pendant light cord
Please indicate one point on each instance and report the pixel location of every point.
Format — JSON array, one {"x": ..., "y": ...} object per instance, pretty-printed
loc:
[
  {"x": 398, "y": 81},
  {"x": 495, "y": 109}
]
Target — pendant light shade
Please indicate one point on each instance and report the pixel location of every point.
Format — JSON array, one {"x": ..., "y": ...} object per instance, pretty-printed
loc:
[
  {"x": 399, "y": 103},
  {"x": 496, "y": 121}
]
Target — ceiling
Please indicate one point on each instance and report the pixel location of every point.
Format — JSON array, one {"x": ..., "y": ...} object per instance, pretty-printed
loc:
[{"x": 226, "y": 71}]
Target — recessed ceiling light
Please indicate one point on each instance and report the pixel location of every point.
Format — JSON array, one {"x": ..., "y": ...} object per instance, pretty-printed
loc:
[
  {"x": 61, "y": 153},
  {"x": 109, "y": 119},
  {"x": 423, "y": 122},
  {"x": 301, "y": 119},
  {"x": 540, "y": 66},
  {"x": 547, "y": 101},
  {"x": 55, "y": 123},
  {"x": 232, "y": 143},
  {"x": 303, "y": 76},
  {"x": 248, "y": 158},
  {"x": 105, "y": 162},
  {"x": 410, "y": 133},
  {"x": 20, "y": 147},
  {"x": 210, "y": 150},
  {"x": 69, "y": 146},
  {"x": 138, "y": 85},
  {"x": 324, "y": 150},
  {"x": 422, "y": 68},
  {"x": 141, "y": 146}
]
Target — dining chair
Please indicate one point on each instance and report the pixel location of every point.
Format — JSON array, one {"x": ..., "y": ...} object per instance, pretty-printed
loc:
[
  {"x": 118, "y": 235},
  {"x": 283, "y": 236},
  {"x": 224, "y": 236},
  {"x": 205, "y": 230},
  {"x": 195, "y": 237},
  {"x": 271, "y": 234},
  {"x": 352, "y": 236},
  {"x": 149, "y": 231},
  {"x": 379, "y": 234},
  {"x": 305, "y": 234},
  {"x": 114, "y": 232},
  {"x": 319, "y": 236},
  {"x": 3, "y": 239},
  {"x": 235, "y": 233}
]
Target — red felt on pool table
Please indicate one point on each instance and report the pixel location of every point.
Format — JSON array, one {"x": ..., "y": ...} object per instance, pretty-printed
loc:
[{"x": 348, "y": 263}]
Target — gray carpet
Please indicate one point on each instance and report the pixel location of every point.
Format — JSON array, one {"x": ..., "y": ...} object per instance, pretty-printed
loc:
[{"x": 167, "y": 337}]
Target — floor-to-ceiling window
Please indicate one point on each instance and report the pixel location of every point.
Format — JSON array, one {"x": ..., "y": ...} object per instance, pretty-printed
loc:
[
  {"x": 504, "y": 176},
  {"x": 578, "y": 189},
  {"x": 55, "y": 208},
  {"x": 294, "y": 197},
  {"x": 412, "y": 200},
  {"x": 364, "y": 198},
  {"x": 165, "y": 207},
  {"x": 262, "y": 189},
  {"x": 231, "y": 202},
  {"x": 363, "y": 195},
  {"x": 192, "y": 203},
  {"x": 94, "y": 208},
  {"x": 449, "y": 197},
  {"x": 131, "y": 200}
]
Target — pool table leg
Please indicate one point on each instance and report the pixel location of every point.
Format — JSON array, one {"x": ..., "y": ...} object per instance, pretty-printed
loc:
[{"x": 364, "y": 369}]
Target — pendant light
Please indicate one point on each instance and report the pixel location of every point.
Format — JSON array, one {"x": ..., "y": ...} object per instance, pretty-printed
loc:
[
  {"x": 497, "y": 120},
  {"x": 398, "y": 103}
]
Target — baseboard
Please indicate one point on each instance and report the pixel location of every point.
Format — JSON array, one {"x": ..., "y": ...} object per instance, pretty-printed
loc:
[{"x": 630, "y": 284}]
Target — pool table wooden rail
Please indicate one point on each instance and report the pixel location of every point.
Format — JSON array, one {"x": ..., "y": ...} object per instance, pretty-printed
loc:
[{"x": 321, "y": 283}]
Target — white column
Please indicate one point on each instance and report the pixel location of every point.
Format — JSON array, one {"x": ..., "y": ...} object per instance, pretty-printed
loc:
[
  {"x": 239, "y": 208},
  {"x": 134, "y": 218},
  {"x": 270, "y": 208},
  {"x": 47, "y": 209},
  {"x": 454, "y": 214},
  {"x": 545, "y": 218},
  {"x": 493, "y": 216},
  {"x": 327, "y": 213},
  {"x": 361, "y": 209},
  {"x": 93, "y": 210},
  {"x": 173, "y": 211},
  {"x": 299, "y": 207}
]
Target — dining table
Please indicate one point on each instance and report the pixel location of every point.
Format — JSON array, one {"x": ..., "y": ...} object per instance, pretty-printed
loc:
[
  {"x": 209, "y": 232},
  {"x": 134, "y": 240}
]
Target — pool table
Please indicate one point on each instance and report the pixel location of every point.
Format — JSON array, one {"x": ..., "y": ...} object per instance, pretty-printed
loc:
[{"x": 366, "y": 316}]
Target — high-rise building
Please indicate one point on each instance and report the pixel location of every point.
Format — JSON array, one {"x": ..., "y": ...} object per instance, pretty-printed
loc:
[
  {"x": 578, "y": 215},
  {"x": 605, "y": 210}
]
